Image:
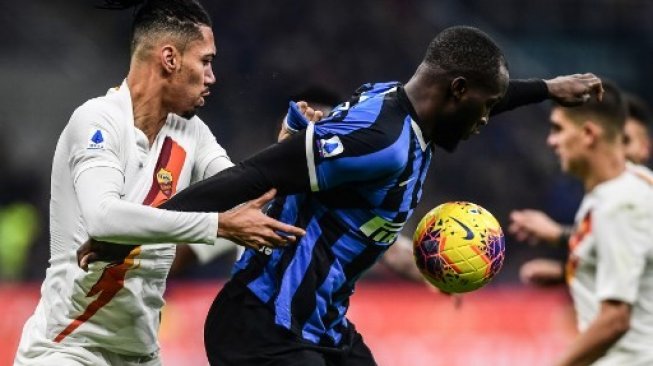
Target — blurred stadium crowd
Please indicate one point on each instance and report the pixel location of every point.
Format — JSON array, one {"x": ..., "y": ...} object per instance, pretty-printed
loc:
[{"x": 61, "y": 53}]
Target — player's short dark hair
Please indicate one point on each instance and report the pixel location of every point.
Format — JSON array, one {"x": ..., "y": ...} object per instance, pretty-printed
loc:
[
  {"x": 466, "y": 51},
  {"x": 178, "y": 19},
  {"x": 610, "y": 113},
  {"x": 638, "y": 110}
]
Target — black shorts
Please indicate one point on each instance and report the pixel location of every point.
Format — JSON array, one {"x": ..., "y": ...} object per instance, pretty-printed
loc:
[{"x": 240, "y": 331}]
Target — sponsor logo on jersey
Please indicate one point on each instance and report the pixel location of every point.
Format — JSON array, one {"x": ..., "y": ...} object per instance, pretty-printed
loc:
[
  {"x": 382, "y": 230},
  {"x": 96, "y": 141},
  {"x": 330, "y": 147},
  {"x": 164, "y": 178}
]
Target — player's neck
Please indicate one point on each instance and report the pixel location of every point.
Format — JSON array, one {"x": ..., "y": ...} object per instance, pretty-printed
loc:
[
  {"x": 423, "y": 95},
  {"x": 604, "y": 166},
  {"x": 149, "y": 112}
]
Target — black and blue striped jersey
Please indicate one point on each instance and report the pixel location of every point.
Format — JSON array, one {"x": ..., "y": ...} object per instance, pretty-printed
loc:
[
  {"x": 351, "y": 181},
  {"x": 366, "y": 165}
]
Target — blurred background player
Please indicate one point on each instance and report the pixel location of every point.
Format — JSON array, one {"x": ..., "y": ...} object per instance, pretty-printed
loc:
[
  {"x": 365, "y": 166},
  {"x": 119, "y": 154},
  {"x": 610, "y": 266},
  {"x": 534, "y": 226}
]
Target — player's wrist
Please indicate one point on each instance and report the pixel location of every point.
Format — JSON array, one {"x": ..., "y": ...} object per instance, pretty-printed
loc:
[{"x": 565, "y": 235}]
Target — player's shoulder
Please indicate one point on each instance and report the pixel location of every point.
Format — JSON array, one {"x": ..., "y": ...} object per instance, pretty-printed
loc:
[
  {"x": 107, "y": 110},
  {"x": 633, "y": 188}
]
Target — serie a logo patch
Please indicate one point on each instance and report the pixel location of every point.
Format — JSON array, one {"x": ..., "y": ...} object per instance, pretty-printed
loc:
[
  {"x": 330, "y": 147},
  {"x": 96, "y": 139}
]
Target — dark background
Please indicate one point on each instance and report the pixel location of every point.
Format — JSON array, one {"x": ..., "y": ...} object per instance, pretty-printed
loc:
[{"x": 57, "y": 54}]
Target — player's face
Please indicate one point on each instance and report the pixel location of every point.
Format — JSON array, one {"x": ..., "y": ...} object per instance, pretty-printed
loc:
[
  {"x": 566, "y": 138},
  {"x": 466, "y": 116},
  {"x": 195, "y": 75},
  {"x": 638, "y": 142}
]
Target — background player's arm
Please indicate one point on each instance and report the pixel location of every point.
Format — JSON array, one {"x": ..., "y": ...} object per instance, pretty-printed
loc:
[
  {"x": 612, "y": 322},
  {"x": 535, "y": 226}
]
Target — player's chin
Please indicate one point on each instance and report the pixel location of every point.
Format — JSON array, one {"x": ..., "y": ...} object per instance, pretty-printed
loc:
[{"x": 189, "y": 113}]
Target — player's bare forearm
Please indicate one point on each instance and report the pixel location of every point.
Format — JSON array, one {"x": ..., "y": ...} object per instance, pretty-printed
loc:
[{"x": 610, "y": 325}]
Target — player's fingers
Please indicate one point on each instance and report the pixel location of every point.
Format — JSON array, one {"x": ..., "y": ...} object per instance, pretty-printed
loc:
[
  {"x": 310, "y": 113},
  {"x": 269, "y": 238},
  {"x": 265, "y": 198},
  {"x": 301, "y": 105},
  {"x": 318, "y": 116},
  {"x": 596, "y": 87},
  {"x": 285, "y": 228},
  {"x": 87, "y": 259}
]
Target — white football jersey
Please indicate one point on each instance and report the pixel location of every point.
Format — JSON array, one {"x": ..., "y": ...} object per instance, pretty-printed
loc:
[
  {"x": 118, "y": 307},
  {"x": 611, "y": 258}
]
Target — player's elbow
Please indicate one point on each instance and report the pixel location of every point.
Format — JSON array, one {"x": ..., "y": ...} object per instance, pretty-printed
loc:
[
  {"x": 99, "y": 224},
  {"x": 616, "y": 318},
  {"x": 95, "y": 227},
  {"x": 620, "y": 326}
]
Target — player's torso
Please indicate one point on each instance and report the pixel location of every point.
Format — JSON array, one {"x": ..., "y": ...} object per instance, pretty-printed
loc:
[
  {"x": 584, "y": 258},
  {"x": 129, "y": 296},
  {"x": 348, "y": 228}
]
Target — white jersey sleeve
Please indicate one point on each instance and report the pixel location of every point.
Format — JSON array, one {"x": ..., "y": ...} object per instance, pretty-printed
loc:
[
  {"x": 108, "y": 218},
  {"x": 621, "y": 229}
]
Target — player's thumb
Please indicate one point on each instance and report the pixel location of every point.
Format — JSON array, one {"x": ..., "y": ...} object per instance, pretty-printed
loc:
[{"x": 267, "y": 197}]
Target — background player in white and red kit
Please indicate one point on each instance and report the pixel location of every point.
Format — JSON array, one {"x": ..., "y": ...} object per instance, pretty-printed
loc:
[
  {"x": 610, "y": 268},
  {"x": 118, "y": 158}
]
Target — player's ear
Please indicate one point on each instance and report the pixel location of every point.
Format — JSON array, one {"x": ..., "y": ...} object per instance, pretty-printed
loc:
[
  {"x": 170, "y": 58},
  {"x": 458, "y": 87},
  {"x": 591, "y": 132}
]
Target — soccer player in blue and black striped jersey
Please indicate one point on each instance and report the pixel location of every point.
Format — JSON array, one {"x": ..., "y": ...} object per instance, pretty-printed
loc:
[{"x": 351, "y": 180}]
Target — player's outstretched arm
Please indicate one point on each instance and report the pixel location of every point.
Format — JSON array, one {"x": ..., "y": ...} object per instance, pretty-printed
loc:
[
  {"x": 533, "y": 227},
  {"x": 542, "y": 272},
  {"x": 568, "y": 90}
]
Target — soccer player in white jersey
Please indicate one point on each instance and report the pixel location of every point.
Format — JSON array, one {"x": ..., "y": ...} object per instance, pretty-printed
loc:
[
  {"x": 118, "y": 158},
  {"x": 610, "y": 267},
  {"x": 535, "y": 226}
]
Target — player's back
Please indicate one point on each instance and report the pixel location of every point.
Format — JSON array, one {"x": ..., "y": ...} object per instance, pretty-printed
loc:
[{"x": 366, "y": 170}]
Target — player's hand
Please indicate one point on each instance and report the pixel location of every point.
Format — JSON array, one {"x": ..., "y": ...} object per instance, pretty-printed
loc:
[
  {"x": 307, "y": 112},
  {"x": 542, "y": 272},
  {"x": 93, "y": 251},
  {"x": 248, "y": 226},
  {"x": 534, "y": 226},
  {"x": 574, "y": 90}
]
